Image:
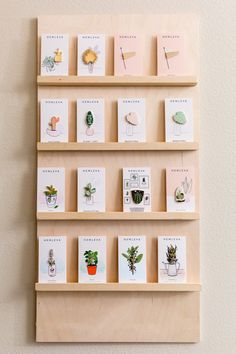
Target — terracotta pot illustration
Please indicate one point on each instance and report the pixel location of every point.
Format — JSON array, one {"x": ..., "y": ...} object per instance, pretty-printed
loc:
[
  {"x": 92, "y": 269},
  {"x": 137, "y": 196}
]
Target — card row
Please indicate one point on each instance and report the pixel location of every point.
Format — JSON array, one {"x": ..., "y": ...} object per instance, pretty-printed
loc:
[
  {"x": 137, "y": 192},
  {"x": 129, "y": 52},
  {"x": 132, "y": 259},
  {"x": 131, "y": 120}
]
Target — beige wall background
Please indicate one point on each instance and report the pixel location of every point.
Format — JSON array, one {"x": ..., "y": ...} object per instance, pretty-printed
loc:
[{"x": 218, "y": 172}]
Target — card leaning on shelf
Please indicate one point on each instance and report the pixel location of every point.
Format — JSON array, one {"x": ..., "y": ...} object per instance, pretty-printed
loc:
[
  {"x": 92, "y": 259},
  {"x": 91, "y": 55},
  {"x": 54, "y": 54},
  {"x": 90, "y": 120},
  {"x": 131, "y": 120},
  {"x": 136, "y": 189},
  {"x": 171, "y": 259},
  {"x": 180, "y": 189},
  {"x": 54, "y": 120},
  {"x": 91, "y": 189},
  {"x": 51, "y": 189},
  {"x": 128, "y": 55},
  {"x": 52, "y": 259},
  {"x": 171, "y": 54},
  {"x": 178, "y": 119},
  {"x": 132, "y": 259}
]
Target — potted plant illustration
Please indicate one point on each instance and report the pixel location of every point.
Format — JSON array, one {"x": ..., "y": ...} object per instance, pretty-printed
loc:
[
  {"x": 132, "y": 258},
  {"x": 88, "y": 193},
  {"x": 51, "y": 264},
  {"x": 51, "y": 196},
  {"x": 137, "y": 196},
  {"x": 172, "y": 266},
  {"x": 91, "y": 259}
]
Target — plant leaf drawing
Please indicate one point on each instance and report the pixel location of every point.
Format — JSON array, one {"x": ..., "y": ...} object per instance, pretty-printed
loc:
[
  {"x": 171, "y": 254},
  {"x": 132, "y": 258}
]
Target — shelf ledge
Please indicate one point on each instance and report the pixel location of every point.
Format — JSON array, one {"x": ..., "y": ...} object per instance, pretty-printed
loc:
[
  {"x": 115, "y": 146},
  {"x": 117, "y": 287},
  {"x": 74, "y": 80},
  {"x": 118, "y": 215}
]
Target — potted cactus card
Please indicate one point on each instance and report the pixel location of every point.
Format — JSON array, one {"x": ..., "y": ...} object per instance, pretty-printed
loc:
[
  {"x": 180, "y": 193},
  {"x": 128, "y": 55},
  {"x": 91, "y": 189},
  {"x": 132, "y": 259},
  {"x": 92, "y": 259},
  {"x": 171, "y": 259},
  {"x": 51, "y": 189},
  {"x": 178, "y": 119},
  {"x": 53, "y": 120},
  {"x": 171, "y": 54},
  {"x": 91, "y": 55},
  {"x": 54, "y": 54},
  {"x": 131, "y": 120},
  {"x": 136, "y": 189},
  {"x": 52, "y": 259},
  {"x": 90, "y": 120}
]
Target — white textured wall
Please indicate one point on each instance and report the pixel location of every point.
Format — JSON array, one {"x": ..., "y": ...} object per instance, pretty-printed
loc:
[{"x": 17, "y": 166}]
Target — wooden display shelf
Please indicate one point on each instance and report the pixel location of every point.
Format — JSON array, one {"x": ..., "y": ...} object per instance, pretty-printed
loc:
[
  {"x": 117, "y": 287},
  {"x": 142, "y": 81},
  {"x": 117, "y": 215},
  {"x": 115, "y": 146}
]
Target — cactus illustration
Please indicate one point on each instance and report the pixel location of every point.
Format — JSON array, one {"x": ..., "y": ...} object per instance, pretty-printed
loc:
[
  {"x": 53, "y": 122},
  {"x": 137, "y": 196},
  {"x": 89, "y": 119}
]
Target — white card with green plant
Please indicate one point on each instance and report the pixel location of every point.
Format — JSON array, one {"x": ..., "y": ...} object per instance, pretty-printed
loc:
[
  {"x": 91, "y": 189},
  {"x": 54, "y": 54},
  {"x": 52, "y": 259},
  {"x": 172, "y": 259},
  {"x": 132, "y": 259},
  {"x": 92, "y": 259},
  {"x": 51, "y": 189}
]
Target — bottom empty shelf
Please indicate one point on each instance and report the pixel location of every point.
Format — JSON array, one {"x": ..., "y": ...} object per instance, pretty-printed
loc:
[{"x": 117, "y": 287}]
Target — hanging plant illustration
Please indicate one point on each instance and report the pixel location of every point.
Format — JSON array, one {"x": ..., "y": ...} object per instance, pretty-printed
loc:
[
  {"x": 172, "y": 265},
  {"x": 91, "y": 259},
  {"x": 51, "y": 196},
  {"x": 132, "y": 258},
  {"x": 88, "y": 192}
]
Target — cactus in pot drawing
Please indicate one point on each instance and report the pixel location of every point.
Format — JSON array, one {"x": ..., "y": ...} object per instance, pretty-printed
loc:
[{"x": 51, "y": 196}]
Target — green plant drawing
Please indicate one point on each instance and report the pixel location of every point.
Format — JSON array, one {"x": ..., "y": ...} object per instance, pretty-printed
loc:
[
  {"x": 171, "y": 254},
  {"x": 133, "y": 258},
  {"x": 51, "y": 196},
  {"x": 89, "y": 190},
  {"x": 89, "y": 119},
  {"x": 49, "y": 63},
  {"x": 91, "y": 258},
  {"x": 50, "y": 191}
]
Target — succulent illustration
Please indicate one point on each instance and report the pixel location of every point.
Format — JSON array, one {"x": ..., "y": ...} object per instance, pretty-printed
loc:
[
  {"x": 137, "y": 196},
  {"x": 49, "y": 63},
  {"x": 171, "y": 254},
  {"x": 89, "y": 190},
  {"x": 179, "y": 118},
  {"x": 91, "y": 258},
  {"x": 133, "y": 258},
  {"x": 50, "y": 191},
  {"x": 89, "y": 119}
]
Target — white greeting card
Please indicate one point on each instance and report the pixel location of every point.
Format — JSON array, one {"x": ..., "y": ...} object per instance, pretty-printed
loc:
[
  {"x": 179, "y": 119},
  {"x": 92, "y": 259},
  {"x": 172, "y": 259},
  {"x": 136, "y": 189},
  {"x": 91, "y": 55},
  {"x": 54, "y": 54},
  {"x": 91, "y": 189},
  {"x": 54, "y": 120},
  {"x": 90, "y": 120},
  {"x": 51, "y": 189},
  {"x": 132, "y": 259},
  {"x": 180, "y": 195},
  {"x": 131, "y": 120},
  {"x": 52, "y": 259}
]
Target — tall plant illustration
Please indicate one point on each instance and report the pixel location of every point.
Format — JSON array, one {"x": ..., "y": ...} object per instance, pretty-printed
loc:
[
  {"x": 171, "y": 254},
  {"x": 133, "y": 258}
]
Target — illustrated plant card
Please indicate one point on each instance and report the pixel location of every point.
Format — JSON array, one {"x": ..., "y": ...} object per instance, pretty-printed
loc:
[
  {"x": 91, "y": 55},
  {"x": 178, "y": 119},
  {"x": 54, "y": 120},
  {"x": 128, "y": 55},
  {"x": 90, "y": 120},
  {"x": 131, "y": 120},
  {"x": 132, "y": 259},
  {"x": 51, "y": 189},
  {"x": 91, "y": 189},
  {"x": 54, "y": 54},
  {"x": 136, "y": 189},
  {"x": 92, "y": 259},
  {"x": 171, "y": 54},
  {"x": 52, "y": 259},
  {"x": 171, "y": 259},
  {"x": 180, "y": 194}
]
